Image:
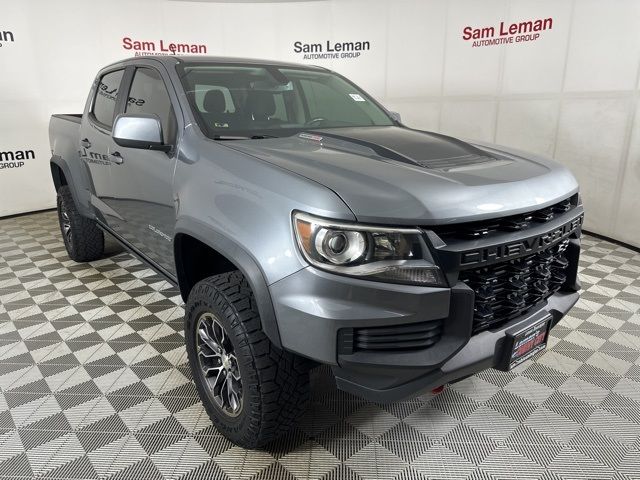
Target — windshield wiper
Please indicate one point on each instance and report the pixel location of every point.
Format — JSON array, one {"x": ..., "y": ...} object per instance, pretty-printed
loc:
[{"x": 243, "y": 137}]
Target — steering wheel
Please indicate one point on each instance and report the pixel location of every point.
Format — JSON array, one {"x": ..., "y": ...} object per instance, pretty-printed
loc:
[{"x": 315, "y": 120}]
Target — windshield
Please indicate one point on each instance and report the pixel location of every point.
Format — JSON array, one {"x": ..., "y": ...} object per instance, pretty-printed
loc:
[{"x": 260, "y": 101}]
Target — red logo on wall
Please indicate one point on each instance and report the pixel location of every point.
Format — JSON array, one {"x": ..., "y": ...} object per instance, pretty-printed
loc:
[
  {"x": 505, "y": 33},
  {"x": 161, "y": 47}
]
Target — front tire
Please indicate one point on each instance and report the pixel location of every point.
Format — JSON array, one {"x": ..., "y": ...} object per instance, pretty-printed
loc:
[
  {"x": 82, "y": 237},
  {"x": 253, "y": 391}
]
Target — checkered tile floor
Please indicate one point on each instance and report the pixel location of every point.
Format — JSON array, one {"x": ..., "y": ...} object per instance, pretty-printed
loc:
[{"x": 94, "y": 383}]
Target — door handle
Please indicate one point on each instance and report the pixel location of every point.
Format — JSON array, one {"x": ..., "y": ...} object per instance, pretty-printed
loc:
[
  {"x": 85, "y": 143},
  {"x": 115, "y": 157}
]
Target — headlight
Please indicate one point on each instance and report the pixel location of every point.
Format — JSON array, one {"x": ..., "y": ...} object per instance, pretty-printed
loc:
[{"x": 375, "y": 253}]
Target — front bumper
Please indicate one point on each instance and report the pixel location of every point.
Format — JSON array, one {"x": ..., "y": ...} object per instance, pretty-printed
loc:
[
  {"x": 482, "y": 351},
  {"x": 313, "y": 306}
]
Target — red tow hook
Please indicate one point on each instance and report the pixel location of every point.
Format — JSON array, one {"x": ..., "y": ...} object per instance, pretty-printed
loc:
[{"x": 437, "y": 390}]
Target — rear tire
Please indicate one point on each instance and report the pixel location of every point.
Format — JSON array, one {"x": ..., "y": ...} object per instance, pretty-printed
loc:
[
  {"x": 268, "y": 388},
  {"x": 82, "y": 237}
]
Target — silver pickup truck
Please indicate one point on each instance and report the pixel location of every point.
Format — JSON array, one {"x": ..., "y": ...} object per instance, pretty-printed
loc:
[{"x": 305, "y": 224}]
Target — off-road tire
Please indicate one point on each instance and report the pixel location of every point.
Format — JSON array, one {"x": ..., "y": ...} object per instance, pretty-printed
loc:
[
  {"x": 85, "y": 241},
  {"x": 275, "y": 383}
]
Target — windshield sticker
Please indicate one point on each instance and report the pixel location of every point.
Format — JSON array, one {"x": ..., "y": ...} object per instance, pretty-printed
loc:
[{"x": 356, "y": 97}]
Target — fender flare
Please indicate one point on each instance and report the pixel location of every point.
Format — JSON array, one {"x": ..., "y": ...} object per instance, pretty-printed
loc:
[
  {"x": 81, "y": 203},
  {"x": 243, "y": 262}
]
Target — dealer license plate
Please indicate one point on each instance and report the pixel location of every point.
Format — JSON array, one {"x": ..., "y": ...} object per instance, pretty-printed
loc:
[{"x": 528, "y": 342}]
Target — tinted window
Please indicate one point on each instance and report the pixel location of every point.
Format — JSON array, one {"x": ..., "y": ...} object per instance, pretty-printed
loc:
[
  {"x": 149, "y": 95},
  {"x": 105, "y": 102}
]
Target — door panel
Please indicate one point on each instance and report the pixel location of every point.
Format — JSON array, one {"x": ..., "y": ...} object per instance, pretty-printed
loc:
[
  {"x": 141, "y": 188},
  {"x": 142, "y": 197}
]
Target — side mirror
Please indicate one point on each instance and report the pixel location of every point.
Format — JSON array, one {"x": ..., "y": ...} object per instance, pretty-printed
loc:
[
  {"x": 396, "y": 116},
  {"x": 139, "y": 131}
]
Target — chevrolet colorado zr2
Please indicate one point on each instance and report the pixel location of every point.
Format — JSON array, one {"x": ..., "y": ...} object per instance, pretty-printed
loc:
[{"x": 304, "y": 224}]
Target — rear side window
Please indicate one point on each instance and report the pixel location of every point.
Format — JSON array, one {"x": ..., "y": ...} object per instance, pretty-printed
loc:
[
  {"x": 148, "y": 94},
  {"x": 104, "y": 104}
]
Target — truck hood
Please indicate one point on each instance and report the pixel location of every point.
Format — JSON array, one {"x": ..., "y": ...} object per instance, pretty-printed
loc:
[{"x": 407, "y": 177}]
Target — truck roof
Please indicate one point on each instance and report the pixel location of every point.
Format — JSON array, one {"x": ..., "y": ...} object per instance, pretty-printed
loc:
[{"x": 170, "y": 60}]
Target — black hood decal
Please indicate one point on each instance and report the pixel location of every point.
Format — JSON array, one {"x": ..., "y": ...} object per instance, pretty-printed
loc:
[{"x": 424, "y": 149}]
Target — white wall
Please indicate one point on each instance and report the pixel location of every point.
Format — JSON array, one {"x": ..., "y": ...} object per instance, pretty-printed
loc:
[{"x": 571, "y": 94}]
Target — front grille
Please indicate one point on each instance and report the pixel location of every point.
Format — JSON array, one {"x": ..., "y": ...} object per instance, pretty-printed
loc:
[
  {"x": 410, "y": 336},
  {"x": 509, "y": 289},
  {"x": 481, "y": 229}
]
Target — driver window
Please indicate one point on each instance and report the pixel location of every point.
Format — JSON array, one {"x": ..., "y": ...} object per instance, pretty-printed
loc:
[{"x": 148, "y": 94}]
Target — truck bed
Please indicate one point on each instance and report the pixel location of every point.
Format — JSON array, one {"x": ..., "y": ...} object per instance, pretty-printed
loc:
[
  {"x": 72, "y": 117},
  {"x": 64, "y": 134}
]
